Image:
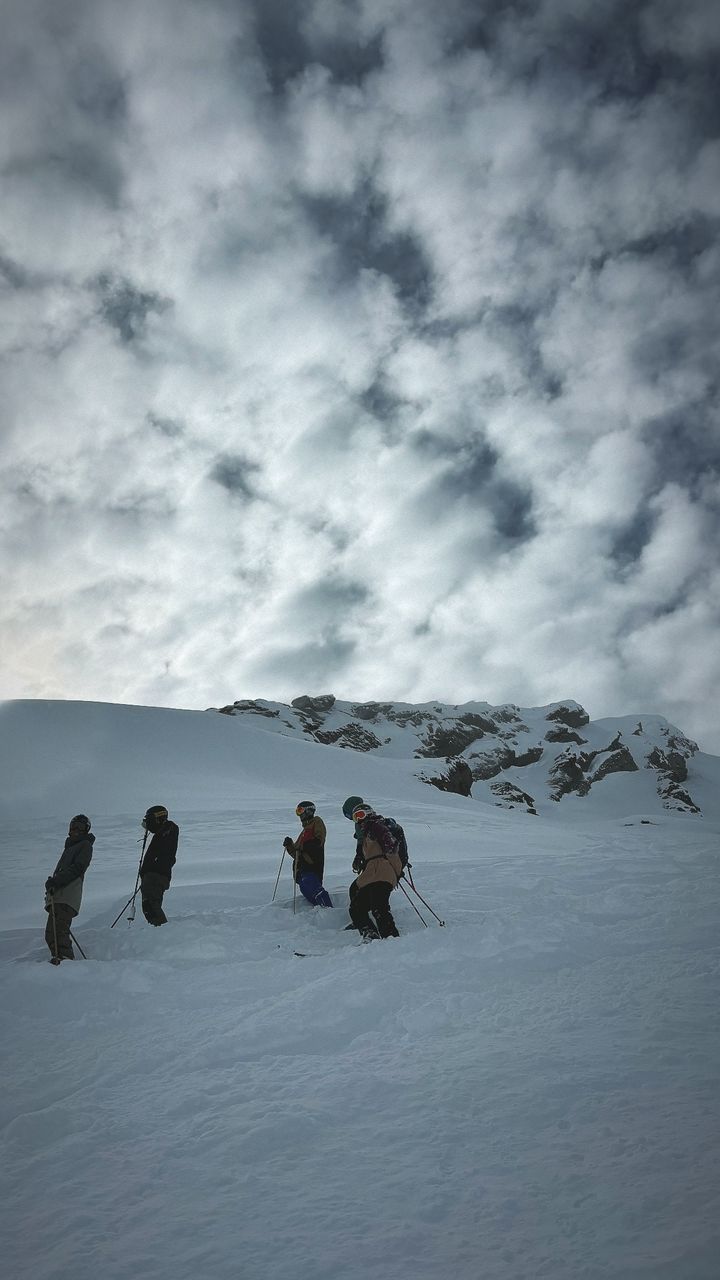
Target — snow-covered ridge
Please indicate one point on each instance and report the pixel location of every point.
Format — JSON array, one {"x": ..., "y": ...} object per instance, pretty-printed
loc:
[{"x": 528, "y": 757}]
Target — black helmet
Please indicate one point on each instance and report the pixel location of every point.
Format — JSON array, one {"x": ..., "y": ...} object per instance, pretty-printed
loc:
[
  {"x": 80, "y": 820},
  {"x": 156, "y": 815},
  {"x": 351, "y": 803},
  {"x": 305, "y": 810}
]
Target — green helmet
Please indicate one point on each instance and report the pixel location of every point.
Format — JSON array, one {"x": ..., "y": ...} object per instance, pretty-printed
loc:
[{"x": 351, "y": 803}]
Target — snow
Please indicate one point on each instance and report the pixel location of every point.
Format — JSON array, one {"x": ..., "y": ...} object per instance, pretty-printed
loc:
[{"x": 530, "y": 1091}]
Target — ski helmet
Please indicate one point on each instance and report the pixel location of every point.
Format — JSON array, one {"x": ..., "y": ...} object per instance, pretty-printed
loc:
[
  {"x": 362, "y": 811},
  {"x": 305, "y": 809},
  {"x": 80, "y": 820},
  {"x": 156, "y": 815},
  {"x": 350, "y": 804}
]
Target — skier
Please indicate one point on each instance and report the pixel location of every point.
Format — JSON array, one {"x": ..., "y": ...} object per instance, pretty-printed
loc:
[
  {"x": 380, "y": 868},
  {"x": 158, "y": 862},
  {"x": 308, "y": 854},
  {"x": 63, "y": 889},
  {"x": 350, "y": 804}
]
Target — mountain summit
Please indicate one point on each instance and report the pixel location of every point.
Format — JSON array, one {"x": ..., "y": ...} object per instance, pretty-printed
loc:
[{"x": 534, "y": 758}]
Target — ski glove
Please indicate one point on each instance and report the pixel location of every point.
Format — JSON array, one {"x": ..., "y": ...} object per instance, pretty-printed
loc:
[
  {"x": 50, "y": 885},
  {"x": 288, "y": 844}
]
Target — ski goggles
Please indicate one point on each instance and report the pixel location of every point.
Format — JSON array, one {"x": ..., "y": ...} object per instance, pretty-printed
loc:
[{"x": 360, "y": 814}]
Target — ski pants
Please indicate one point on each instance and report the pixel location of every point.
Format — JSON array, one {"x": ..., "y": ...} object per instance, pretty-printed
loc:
[
  {"x": 373, "y": 898},
  {"x": 153, "y": 887},
  {"x": 311, "y": 888},
  {"x": 64, "y": 916}
]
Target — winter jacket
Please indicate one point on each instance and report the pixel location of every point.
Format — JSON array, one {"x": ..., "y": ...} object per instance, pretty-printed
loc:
[
  {"x": 382, "y": 863},
  {"x": 161, "y": 851},
  {"x": 70, "y": 870},
  {"x": 309, "y": 849}
]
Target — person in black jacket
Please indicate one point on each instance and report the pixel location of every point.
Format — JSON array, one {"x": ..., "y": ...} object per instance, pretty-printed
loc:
[{"x": 158, "y": 862}]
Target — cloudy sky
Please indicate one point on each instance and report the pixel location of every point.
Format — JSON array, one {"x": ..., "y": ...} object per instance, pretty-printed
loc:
[{"x": 361, "y": 346}]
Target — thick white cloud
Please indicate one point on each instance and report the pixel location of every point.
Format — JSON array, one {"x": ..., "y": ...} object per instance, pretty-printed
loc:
[{"x": 361, "y": 347}]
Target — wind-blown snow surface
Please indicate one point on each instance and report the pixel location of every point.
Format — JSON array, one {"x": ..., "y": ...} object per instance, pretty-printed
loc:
[{"x": 531, "y": 1091}]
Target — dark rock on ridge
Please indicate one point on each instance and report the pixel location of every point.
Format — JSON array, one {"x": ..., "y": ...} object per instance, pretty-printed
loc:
[
  {"x": 575, "y": 717},
  {"x": 458, "y": 778}
]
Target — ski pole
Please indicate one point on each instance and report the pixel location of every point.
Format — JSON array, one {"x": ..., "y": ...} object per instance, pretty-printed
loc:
[
  {"x": 412, "y": 904},
  {"x": 294, "y": 881},
  {"x": 278, "y": 876},
  {"x": 137, "y": 886},
  {"x": 122, "y": 913},
  {"x": 427, "y": 904},
  {"x": 56, "y": 956},
  {"x": 77, "y": 944}
]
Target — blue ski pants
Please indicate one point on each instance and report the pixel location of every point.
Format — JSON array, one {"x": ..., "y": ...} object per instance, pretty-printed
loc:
[{"x": 311, "y": 888}]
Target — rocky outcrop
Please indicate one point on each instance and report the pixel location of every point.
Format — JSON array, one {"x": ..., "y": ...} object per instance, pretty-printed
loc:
[
  {"x": 670, "y": 762},
  {"x": 318, "y": 706},
  {"x": 353, "y": 736},
  {"x": 488, "y": 764},
  {"x": 482, "y": 723},
  {"x": 441, "y": 741},
  {"x": 249, "y": 707},
  {"x": 567, "y": 775},
  {"x": 458, "y": 778},
  {"x": 574, "y": 717},
  {"x": 511, "y": 797},
  {"x": 371, "y": 710},
  {"x": 564, "y": 735},
  {"x": 619, "y": 761}
]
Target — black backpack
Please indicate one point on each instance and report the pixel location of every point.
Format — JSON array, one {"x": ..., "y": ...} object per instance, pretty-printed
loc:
[{"x": 398, "y": 835}]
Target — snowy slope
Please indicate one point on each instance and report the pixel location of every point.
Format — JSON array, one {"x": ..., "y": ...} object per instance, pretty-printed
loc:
[{"x": 530, "y": 1091}]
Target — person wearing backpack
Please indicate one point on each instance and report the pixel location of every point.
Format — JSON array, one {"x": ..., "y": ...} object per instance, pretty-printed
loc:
[
  {"x": 379, "y": 867},
  {"x": 63, "y": 889},
  {"x": 395, "y": 830},
  {"x": 308, "y": 855}
]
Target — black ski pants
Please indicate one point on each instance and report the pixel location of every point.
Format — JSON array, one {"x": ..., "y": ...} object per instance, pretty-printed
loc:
[
  {"x": 153, "y": 887},
  {"x": 372, "y": 899},
  {"x": 64, "y": 916}
]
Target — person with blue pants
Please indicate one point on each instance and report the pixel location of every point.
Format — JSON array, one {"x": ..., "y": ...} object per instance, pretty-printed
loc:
[{"x": 308, "y": 854}]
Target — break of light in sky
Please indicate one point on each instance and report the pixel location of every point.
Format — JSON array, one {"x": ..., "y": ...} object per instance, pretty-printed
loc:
[{"x": 361, "y": 347}]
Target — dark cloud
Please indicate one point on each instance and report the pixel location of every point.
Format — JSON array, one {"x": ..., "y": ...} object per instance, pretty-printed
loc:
[
  {"x": 677, "y": 246},
  {"x": 14, "y": 275},
  {"x": 99, "y": 91},
  {"x": 126, "y": 308},
  {"x": 357, "y": 225},
  {"x": 630, "y": 541},
  {"x": 379, "y": 399},
  {"x": 472, "y": 472},
  {"x": 330, "y": 598},
  {"x": 289, "y": 44},
  {"x": 306, "y": 664},
  {"x": 685, "y": 445},
  {"x": 235, "y": 474},
  {"x": 166, "y": 426}
]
